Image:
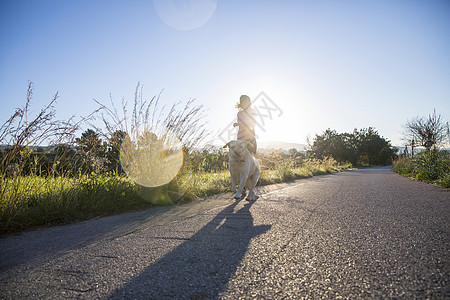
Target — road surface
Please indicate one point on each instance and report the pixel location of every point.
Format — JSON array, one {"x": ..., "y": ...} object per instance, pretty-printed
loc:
[{"x": 360, "y": 234}]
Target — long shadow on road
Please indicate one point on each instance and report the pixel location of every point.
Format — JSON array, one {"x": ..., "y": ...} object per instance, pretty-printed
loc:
[{"x": 202, "y": 265}]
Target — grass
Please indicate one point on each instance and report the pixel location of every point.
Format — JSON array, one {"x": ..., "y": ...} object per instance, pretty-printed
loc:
[
  {"x": 31, "y": 201},
  {"x": 34, "y": 201},
  {"x": 431, "y": 166},
  {"x": 312, "y": 167}
]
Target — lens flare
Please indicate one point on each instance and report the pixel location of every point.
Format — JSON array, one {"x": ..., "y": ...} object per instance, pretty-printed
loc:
[
  {"x": 185, "y": 14},
  {"x": 151, "y": 158}
]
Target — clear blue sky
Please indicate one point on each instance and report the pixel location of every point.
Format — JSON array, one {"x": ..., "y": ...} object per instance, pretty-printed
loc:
[{"x": 326, "y": 64}]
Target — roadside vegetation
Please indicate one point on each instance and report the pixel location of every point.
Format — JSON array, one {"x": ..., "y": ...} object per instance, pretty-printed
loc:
[
  {"x": 54, "y": 172},
  {"x": 34, "y": 200},
  {"x": 433, "y": 163},
  {"x": 431, "y": 166},
  {"x": 50, "y": 176},
  {"x": 362, "y": 148}
]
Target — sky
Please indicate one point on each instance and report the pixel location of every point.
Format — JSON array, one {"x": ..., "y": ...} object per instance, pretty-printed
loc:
[{"x": 307, "y": 65}]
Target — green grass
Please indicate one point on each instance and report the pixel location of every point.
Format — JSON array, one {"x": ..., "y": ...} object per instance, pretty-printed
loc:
[
  {"x": 33, "y": 201},
  {"x": 285, "y": 172},
  {"x": 431, "y": 166}
]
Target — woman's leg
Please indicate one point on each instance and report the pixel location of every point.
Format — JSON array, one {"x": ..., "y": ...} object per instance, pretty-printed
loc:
[{"x": 252, "y": 146}]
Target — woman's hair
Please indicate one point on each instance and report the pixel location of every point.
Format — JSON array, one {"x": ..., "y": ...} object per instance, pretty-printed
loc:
[{"x": 244, "y": 102}]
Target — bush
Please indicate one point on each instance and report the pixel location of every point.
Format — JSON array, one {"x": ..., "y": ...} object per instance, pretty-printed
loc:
[
  {"x": 404, "y": 166},
  {"x": 445, "y": 182},
  {"x": 430, "y": 166},
  {"x": 285, "y": 171}
]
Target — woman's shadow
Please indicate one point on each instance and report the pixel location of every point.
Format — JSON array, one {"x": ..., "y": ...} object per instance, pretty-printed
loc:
[{"x": 201, "y": 266}]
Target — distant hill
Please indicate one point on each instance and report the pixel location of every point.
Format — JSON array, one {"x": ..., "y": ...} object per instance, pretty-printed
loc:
[
  {"x": 269, "y": 146},
  {"x": 264, "y": 146}
]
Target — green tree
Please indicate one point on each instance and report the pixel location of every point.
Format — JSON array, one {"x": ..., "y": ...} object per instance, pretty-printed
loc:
[
  {"x": 113, "y": 150},
  {"x": 93, "y": 152},
  {"x": 363, "y": 147},
  {"x": 339, "y": 146},
  {"x": 90, "y": 142},
  {"x": 372, "y": 149}
]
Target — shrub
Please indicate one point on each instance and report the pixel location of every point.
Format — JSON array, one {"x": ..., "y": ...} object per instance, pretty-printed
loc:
[
  {"x": 445, "y": 182},
  {"x": 404, "y": 166},
  {"x": 285, "y": 171},
  {"x": 430, "y": 166}
]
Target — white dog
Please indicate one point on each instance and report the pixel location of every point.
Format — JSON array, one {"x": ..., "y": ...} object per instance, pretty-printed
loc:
[{"x": 244, "y": 168}]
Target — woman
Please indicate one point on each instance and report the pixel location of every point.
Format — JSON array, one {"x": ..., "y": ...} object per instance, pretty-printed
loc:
[{"x": 246, "y": 122}]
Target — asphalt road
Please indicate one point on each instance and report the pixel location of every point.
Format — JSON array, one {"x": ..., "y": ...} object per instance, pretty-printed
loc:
[{"x": 361, "y": 234}]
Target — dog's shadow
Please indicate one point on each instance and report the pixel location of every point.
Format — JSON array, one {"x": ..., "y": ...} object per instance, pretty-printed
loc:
[{"x": 202, "y": 265}]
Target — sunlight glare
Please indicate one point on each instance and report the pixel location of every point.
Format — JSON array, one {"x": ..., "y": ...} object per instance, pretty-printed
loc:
[{"x": 151, "y": 158}]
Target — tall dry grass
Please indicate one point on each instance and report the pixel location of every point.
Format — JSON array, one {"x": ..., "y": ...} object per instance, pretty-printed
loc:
[{"x": 66, "y": 192}]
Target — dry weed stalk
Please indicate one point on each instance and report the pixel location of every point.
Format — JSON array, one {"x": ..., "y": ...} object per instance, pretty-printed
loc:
[
  {"x": 148, "y": 117},
  {"x": 22, "y": 130}
]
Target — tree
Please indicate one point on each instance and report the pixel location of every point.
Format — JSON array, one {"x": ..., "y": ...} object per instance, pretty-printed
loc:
[
  {"x": 113, "y": 149},
  {"x": 93, "y": 151},
  {"x": 89, "y": 142},
  {"x": 339, "y": 146},
  {"x": 363, "y": 147},
  {"x": 372, "y": 149},
  {"x": 427, "y": 132}
]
